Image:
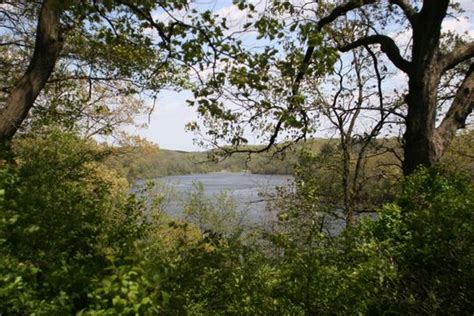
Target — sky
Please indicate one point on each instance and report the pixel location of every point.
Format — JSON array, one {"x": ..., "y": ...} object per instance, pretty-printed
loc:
[{"x": 167, "y": 122}]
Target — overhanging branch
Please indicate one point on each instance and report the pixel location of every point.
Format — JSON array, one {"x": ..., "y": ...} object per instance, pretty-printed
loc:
[
  {"x": 335, "y": 13},
  {"x": 388, "y": 46}
]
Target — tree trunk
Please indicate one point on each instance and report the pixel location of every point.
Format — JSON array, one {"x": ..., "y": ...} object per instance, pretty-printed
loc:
[
  {"x": 48, "y": 44},
  {"x": 424, "y": 77},
  {"x": 420, "y": 147},
  {"x": 351, "y": 219}
]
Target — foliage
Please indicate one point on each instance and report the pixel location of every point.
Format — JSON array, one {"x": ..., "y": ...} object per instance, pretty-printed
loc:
[
  {"x": 104, "y": 58},
  {"x": 433, "y": 238},
  {"x": 416, "y": 258},
  {"x": 460, "y": 156},
  {"x": 74, "y": 240},
  {"x": 62, "y": 214},
  {"x": 318, "y": 194},
  {"x": 215, "y": 214}
]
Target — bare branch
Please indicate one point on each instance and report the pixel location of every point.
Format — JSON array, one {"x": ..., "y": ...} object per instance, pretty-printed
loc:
[
  {"x": 341, "y": 10},
  {"x": 16, "y": 43},
  {"x": 388, "y": 46}
]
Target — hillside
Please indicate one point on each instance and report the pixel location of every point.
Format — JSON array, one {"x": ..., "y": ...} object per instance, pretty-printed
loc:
[{"x": 149, "y": 162}]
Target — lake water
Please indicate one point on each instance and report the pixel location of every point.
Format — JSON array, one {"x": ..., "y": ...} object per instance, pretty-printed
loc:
[{"x": 245, "y": 188}]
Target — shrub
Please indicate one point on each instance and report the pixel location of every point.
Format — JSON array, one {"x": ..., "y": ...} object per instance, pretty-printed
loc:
[{"x": 62, "y": 214}]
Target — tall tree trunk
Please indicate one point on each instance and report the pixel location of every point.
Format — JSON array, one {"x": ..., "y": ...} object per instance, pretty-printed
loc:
[
  {"x": 424, "y": 77},
  {"x": 48, "y": 44},
  {"x": 420, "y": 147}
]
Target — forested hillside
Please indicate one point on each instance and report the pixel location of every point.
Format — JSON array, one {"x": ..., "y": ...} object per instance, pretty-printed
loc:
[{"x": 148, "y": 162}]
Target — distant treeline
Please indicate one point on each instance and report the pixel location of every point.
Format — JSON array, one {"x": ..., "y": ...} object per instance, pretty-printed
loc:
[{"x": 148, "y": 162}]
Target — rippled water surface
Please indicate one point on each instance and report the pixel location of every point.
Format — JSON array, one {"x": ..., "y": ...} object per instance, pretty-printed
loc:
[{"x": 245, "y": 188}]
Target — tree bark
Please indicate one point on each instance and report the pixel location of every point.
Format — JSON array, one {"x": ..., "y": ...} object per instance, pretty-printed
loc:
[
  {"x": 424, "y": 77},
  {"x": 48, "y": 44},
  {"x": 461, "y": 108},
  {"x": 419, "y": 147}
]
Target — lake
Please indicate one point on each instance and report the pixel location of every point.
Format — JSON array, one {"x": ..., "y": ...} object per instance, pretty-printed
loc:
[{"x": 245, "y": 188}]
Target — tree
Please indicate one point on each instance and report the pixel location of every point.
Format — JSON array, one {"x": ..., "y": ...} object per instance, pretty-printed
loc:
[
  {"x": 267, "y": 89},
  {"x": 358, "y": 111},
  {"x": 48, "y": 44},
  {"x": 104, "y": 45},
  {"x": 90, "y": 111},
  {"x": 430, "y": 60}
]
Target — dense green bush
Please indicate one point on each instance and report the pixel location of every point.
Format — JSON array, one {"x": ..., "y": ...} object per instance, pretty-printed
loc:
[
  {"x": 431, "y": 228},
  {"x": 415, "y": 258},
  {"x": 74, "y": 240},
  {"x": 61, "y": 215}
]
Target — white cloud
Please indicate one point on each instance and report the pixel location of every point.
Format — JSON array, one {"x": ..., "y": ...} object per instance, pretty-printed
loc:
[
  {"x": 461, "y": 26},
  {"x": 467, "y": 5}
]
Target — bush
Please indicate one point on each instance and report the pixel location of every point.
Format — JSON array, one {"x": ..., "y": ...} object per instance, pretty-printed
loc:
[
  {"x": 73, "y": 240},
  {"x": 415, "y": 258},
  {"x": 62, "y": 214},
  {"x": 432, "y": 230}
]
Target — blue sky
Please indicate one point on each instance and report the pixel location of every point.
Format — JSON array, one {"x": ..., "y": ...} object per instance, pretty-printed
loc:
[{"x": 167, "y": 122}]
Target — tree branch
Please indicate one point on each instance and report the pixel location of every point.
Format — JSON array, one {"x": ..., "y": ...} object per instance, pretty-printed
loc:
[
  {"x": 146, "y": 15},
  {"x": 335, "y": 13},
  {"x": 407, "y": 9},
  {"x": 461, "y": 108},
  {"x": 459, "y": 54},
  {"x": 341, "y": 10},
  {"x": 388, "y": 46}
]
